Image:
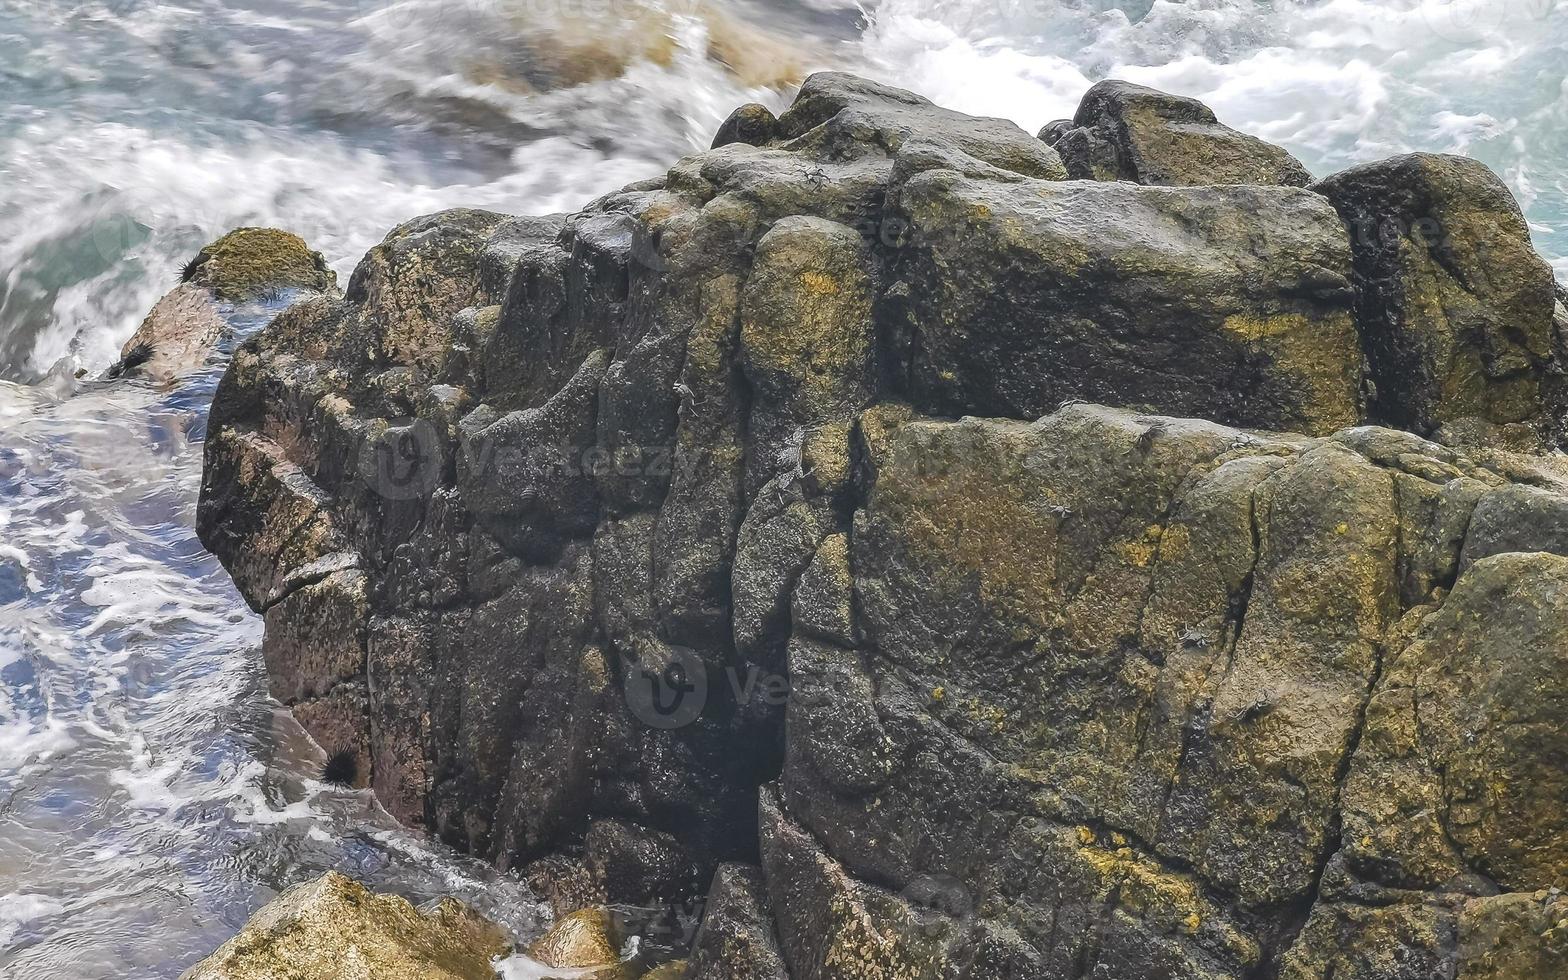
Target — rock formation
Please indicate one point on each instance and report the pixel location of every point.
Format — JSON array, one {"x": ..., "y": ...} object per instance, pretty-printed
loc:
[{"x": 961, "y": 570}]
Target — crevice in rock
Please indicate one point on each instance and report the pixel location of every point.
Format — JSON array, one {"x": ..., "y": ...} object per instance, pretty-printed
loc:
[{"x": 1441, "y": 772}]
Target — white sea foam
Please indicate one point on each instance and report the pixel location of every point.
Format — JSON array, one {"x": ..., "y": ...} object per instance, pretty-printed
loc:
[{"x": 1337, "y": 82}]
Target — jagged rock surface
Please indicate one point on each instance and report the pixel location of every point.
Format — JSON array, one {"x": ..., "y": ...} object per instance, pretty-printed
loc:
[{"x": 543, "y": 513}]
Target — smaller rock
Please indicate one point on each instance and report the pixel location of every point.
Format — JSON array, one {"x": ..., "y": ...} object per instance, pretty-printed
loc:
[
  {"x": 1514, "y": 935},
  {"x": 1517, "y": 518},
  {"x": 837, "y": 117},
  {"x": 1054, "y": 130},
  {"x": 246, "y": 264},
  {"x": 751, "y": 123},
  {"x": 822, "y": 604},
  {"x": 334, "y": 927},
  {"x": 736, "y": 941},
  {"x": 1455, "y": 309},
  {"x": 1127, "y": 132},
  {"x": 636, "y": 865},
  {"x": 251, "y": 263},
  {"x": 585, "y": 940}
]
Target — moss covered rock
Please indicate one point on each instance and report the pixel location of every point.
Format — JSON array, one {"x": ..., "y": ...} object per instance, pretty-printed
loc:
[
  {"x": 1454, "y": 307},
  {"x": 248, "y": 264},
  {"x": 335, "y": 929}
]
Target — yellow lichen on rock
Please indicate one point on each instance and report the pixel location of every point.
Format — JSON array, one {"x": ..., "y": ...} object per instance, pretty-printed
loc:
[
  {"x": 336, "y": 929},
  {"x": 585, "y": 940}
]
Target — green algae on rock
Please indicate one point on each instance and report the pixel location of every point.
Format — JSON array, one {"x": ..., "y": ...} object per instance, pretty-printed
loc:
[{"x": 248, "y": 263}]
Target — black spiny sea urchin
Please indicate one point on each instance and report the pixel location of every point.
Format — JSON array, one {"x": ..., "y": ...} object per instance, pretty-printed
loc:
[{"x": 341, "y": 768}]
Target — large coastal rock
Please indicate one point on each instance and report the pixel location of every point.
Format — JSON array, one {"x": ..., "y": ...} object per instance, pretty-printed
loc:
[
  {"x": 333, "y": 928},
  {"x": 754, "y": 531}
]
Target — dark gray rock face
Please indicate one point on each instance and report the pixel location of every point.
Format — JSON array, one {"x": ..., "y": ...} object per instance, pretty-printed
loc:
[
  {"x": 1124, "y": 131},
  {"x": 1455, "y": 308},
  {"x": 1126, "y": 295},
  {"x": 736, "y": 941},
  {"x": 750, "y": 532}
]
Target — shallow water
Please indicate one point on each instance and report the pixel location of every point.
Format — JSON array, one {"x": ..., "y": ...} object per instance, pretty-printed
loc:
[{"x": 150, "y": 794}]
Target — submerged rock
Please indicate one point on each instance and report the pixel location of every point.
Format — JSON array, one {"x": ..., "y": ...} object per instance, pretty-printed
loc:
[
  {"x": 750, "y": 532},
  {"x": 335, "y": 929}
]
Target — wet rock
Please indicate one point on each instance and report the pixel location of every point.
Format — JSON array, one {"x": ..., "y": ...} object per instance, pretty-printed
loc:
[
  {"x": 246, "y": 265},
  {"x": 1454, "y": 307},
  {"x": 751, "y": 123},
  {"x": 1460, "y": 768},
  {"x": 317, "y": 636},
  {"x": 837, "y": 115},
  {"x": 333, "y": 925},
  {"x": 1517, "y": 935},
  {"x": 821, "y": 606},
  {"x": 266, "y": 517},
  {"x": 251, "y": 262},
  {"x": 1052, "y": 132},
  {"x": 634, "y": 864},
  {"x": 769, "y": 480},
  {"x": 410, "y": 286},
  {"x": 806, "y": 340},
  {"x": 1124, "y": 131},
  {"x": 736, "y": 941},
  {"x": 586, "y": 943},
  {"x": 1517, "y": 518}
]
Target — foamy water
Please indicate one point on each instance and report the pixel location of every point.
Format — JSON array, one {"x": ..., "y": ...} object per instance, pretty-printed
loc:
[{"x": 151, "y": 796}]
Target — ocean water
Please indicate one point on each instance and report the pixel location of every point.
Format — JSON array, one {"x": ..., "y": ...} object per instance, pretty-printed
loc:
[{"x": 150, "y": 794}]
